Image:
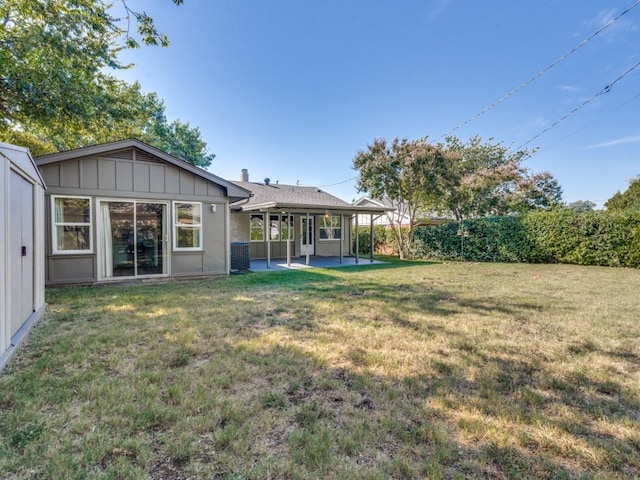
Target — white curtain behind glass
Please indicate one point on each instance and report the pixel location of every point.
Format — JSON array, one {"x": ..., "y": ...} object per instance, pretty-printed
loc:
[{"x": 106, "y": 254}]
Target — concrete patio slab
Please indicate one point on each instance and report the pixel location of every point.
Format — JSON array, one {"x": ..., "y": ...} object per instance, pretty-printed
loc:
[{"x": 298, "y": 263}]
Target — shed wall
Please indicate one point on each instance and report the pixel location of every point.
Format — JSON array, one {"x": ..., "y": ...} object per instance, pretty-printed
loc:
[{"x": 21, "y": 248}]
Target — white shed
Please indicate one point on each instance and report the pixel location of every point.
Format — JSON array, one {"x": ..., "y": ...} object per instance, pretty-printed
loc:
[{"x": 21, "y": 247}]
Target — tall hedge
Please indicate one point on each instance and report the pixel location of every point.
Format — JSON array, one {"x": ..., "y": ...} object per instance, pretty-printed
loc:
[
  {"x": 590, "y": 238},
  {"x": 382, "y": 237}
]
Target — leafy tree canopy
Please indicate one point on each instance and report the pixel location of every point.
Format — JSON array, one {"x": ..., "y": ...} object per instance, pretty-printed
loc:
[
  {"x": 55, "y": 92},
  {"x": 468, "y": 180},
  {"x": 581, "y": 206},
  {"x": 407, "y": 174},
  {"x": 629, "y": 200},
  {"x": 487, "y": 178}
]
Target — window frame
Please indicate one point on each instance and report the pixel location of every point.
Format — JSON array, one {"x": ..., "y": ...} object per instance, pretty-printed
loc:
[
  {"x": 55, "y": 225},
  {"x": 324, "y": 228},
  {"x": 176, "y": 225},
  {"x": 251, "y": 230}
]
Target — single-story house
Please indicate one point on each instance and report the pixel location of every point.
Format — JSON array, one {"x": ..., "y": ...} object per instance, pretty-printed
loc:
[
  {"x": 126, "y": 210},
  {"x": 285, "y": 221},
  {"x": 21, "y": 247}
]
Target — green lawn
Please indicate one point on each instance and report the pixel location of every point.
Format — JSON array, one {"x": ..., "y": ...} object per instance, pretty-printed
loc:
[{"x": 406, "y": 370}]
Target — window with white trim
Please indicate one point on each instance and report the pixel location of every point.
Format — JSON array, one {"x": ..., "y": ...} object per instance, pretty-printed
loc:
[
  {"x": 330, "y": 227},
  {"x": 71, "y": 223},
  {"x": 256, "y": 227},
  {"x": 187, "y": 226}
]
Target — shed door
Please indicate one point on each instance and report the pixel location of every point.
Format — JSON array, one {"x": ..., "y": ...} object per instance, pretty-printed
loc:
[{"x": 21, "y": 249}]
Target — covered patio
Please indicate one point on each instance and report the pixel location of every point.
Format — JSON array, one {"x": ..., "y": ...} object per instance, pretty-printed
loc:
[{"x": 296, "y": 226}]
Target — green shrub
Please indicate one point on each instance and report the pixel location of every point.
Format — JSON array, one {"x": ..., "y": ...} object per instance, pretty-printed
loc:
[
  {"x": 382, "y": 237},
  {"x": 492, "y": 239},
  {"x": 562, "y": 236},
  {"x": 590, "y": 238}
]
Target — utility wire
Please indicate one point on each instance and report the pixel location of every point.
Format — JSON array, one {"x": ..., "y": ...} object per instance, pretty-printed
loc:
[
  {"x": 606, "y": 89},
  {"x": 618, "y": 107},
  {"x": 337, "y": 183},
  {"x": 542, "y": 72},
  {"x": 532, "y": 79}
]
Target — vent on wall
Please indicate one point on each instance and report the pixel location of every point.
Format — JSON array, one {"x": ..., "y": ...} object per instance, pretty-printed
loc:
[
  {"x": 121, "y": 154},
  {"x": 145, "y": 157}
]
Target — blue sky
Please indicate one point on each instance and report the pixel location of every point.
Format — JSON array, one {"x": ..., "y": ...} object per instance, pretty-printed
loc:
[{"x": 292, "y": 89}]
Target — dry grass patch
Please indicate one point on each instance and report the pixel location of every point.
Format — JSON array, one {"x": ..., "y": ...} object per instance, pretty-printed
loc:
[{"x": 409, "y": 370}]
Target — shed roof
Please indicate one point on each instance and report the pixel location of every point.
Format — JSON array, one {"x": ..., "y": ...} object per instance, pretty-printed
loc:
[
  {"x": 21, "y": 158},
  {"x": 233, "y": 191}
]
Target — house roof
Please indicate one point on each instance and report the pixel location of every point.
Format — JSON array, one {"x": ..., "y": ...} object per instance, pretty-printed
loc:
[
  {"x": 295, "y": 197},
  {"x": 362, "y": 201},
  {"x": 232, "y": 190},
  {"x": 427, "y": 217}
]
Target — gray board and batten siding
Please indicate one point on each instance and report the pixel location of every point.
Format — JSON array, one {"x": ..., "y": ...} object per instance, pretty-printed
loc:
[
  {"x": 132, "y": 176},
  {"x": 21, "y": 248}
]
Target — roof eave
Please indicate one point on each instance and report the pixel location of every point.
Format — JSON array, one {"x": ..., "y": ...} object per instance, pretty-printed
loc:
[{"x": 288, "y": 207}]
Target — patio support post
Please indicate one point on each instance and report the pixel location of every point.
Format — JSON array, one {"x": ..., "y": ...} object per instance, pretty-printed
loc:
[
  {"x": 267, "y": 224},
  {"x": 357, "y": 241},
  {"x": 341, "y": 236},
  {"x": 288, "y": 240},
  {"x": 306, "y": 238},
  {"x": 371, "y": 237}
]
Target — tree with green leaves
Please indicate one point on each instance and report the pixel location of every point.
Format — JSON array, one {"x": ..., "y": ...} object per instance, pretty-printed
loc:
[
  {"x": 407, "y": 174},
  {"x": 487, "y": 178},
  {"x": 467, "y": 180},
  {"x": 55, "y": 92},
  {"x": 628, "y": 200},
  {"x": 581, "y": 206},
  {"x": 128, "y": 112}
]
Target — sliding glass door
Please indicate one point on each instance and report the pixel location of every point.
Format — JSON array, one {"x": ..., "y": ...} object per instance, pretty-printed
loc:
[{"x": 132, "y": 238}]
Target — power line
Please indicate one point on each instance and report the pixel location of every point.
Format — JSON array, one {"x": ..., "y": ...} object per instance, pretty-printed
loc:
[
  {"x": 617, "y": 107},
  {"x": 606, "y": 89},
  {"x": 532, "y": 79},
  {"x": 337, "y": 183},
  {"x": 542, "y": 72}
]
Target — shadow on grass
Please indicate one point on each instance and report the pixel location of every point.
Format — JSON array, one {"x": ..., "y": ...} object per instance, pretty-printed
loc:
[
  {"x": 406, "y": 412},
  {"x": 277, "y": 411}
]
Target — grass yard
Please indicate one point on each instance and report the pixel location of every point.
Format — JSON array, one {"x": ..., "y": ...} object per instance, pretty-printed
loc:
[{"x": 406, "y": 370}]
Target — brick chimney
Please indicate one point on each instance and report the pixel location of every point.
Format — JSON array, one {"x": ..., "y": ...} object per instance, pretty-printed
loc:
[{"x": 244, "y": 175}]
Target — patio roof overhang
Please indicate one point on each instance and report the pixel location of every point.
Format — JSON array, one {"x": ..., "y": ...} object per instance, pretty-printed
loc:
[{"x": 312, "y": 208}]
